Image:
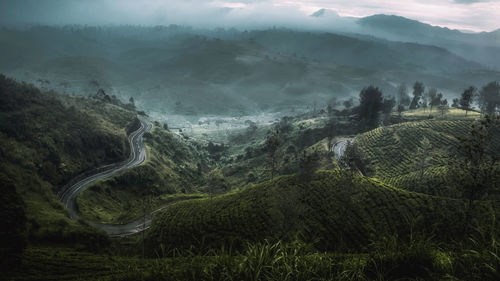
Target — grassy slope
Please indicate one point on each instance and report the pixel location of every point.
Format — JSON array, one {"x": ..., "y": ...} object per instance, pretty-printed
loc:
[
  {"x": 393, "y": 153},
  {"x": 46, "y": 140},
  {"x": 170, "y": 171},
  {"x": 330, "y": 209}
]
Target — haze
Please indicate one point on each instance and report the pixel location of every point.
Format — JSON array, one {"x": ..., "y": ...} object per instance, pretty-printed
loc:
[{"x": 469, "y": 15}]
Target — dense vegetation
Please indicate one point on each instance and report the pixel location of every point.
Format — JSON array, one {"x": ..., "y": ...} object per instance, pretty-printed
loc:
[
  {"x": 333, "y": 209},
  {"x": 278, "y": 218},
  {"x": 173, "y": 167},
  {"x": 46, "y": 140}
]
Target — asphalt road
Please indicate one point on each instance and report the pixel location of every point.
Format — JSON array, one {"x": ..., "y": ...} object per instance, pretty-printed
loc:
[
  {"x": 137, "y": 156},
  {"x": 339, "y": 148}
]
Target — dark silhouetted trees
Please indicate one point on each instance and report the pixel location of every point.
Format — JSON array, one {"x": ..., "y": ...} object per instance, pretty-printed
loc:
[
  {"x": 489, "y": 98},
  {"x": 418, "y": 91},
  {"x": 370, "y": 105},
  {"x": 443, "y": 107},
  {"x": 436, "y": 100},
  {"x": 467, "y": 98}
]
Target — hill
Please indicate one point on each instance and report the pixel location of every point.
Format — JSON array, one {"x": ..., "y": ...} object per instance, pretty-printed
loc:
[
  {"x": 333, "y": 209},
  {"x": 480, "y": 47},
  {"x": 46, "y": 140},
  {"x": 173, "y": 171},
  {"x": 394, "y": 153},
  {"x": 191, "y": 72}
]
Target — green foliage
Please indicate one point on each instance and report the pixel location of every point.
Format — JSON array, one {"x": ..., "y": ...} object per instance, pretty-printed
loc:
[
  {"x": 308, "y": 163},
  {"x": 467, "y": 99},
  {"x": 370, "y": 105},
  {"x": 354, "y": 160},
  {"x": 418, "y": 91},
  {"x": 271, "y": 145},
  {"x": 475, "y": 171},
  {"x": 392, "y": 150},
  {"x": 489, "y": 98},
  {"x": 173, "y": 166},
  {"x": 46, "y": 140},
  {"x": 13, "y": 218},
  {"x": 336, "y": 210}
]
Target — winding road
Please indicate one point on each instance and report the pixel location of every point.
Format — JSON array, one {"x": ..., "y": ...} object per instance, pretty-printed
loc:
[
  {"x": 137, "y": 156},
  {"x": 339, "y": 148}
]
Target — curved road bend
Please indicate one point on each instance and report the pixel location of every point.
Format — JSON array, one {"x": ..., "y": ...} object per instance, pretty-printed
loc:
[
  {"x": 137, "y": 156},
  {"x": 339, "y": 148}
]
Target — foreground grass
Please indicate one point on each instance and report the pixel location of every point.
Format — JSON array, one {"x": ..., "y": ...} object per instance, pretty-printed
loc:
[{"x": 387, "y": 258}]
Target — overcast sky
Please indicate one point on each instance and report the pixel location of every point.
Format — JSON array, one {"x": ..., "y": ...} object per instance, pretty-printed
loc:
[{"x": 474, "y": 15}]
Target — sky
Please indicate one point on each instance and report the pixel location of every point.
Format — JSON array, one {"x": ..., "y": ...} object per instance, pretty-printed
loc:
[{"x": 471, "y": 15}]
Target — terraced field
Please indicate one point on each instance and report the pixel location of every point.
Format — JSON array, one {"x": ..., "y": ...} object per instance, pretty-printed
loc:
[
  {"x": 334, "y": 209},
  {"x": 393, "y": 152}
]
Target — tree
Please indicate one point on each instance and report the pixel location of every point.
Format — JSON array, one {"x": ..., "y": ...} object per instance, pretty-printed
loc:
[
  {"x": 455, "y": 103},
  {"x": 271, "y": 146},
  {"x": 443, "y": 107},
  {"x": 403, "y": 97},
  {"x": 489, "y": 98},
  {"x": 424, "y": 102},
  {"x": 431, "y": 96},
  {"x": 435, "y": 99},
  {"x": 418, "y": 91},
  {"x": 474, "y": 170},
  {"x": 370, "y": 105},
  {"x": 400, "y": 109},
  {"x": 467, "y": 98}
]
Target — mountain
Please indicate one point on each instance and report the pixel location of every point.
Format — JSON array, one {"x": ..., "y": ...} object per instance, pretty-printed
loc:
[
  {"x": 480, "y": 47},
  {"x": 325, "y": 13},
  {"x": 174, "y": 69}
]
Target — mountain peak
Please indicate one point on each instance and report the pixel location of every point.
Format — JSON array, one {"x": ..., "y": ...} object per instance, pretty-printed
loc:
[{"x": 321, "y": 13}]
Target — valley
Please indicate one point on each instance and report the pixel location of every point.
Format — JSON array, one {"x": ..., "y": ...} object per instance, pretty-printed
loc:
[{"x": 335, "y": 148}]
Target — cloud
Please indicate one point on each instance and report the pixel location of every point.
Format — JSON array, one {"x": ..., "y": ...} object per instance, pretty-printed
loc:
[
  {"x": 479, "y": 15},
  {"x": 470, "y": 1}
]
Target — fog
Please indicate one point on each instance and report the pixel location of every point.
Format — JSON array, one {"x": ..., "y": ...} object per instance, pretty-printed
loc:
[
  {"x": 463, "y": 15},
  {"x": 184, "y": 60}
]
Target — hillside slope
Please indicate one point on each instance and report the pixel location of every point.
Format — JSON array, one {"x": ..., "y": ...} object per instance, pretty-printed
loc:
[
  {"x": 174, "y": 170},
  {"x": 195, "y": 71},
  {"x": 333, "y": 209},
  {"x": 394, "y": 153},
  {"x": 46, "y": 140}
]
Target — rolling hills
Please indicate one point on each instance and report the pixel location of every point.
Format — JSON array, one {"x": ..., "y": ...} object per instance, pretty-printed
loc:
[
  {"x": 334, "y": 210},
  {"x": 393, "y": 152},
  {"x": 46, "y": 140},
  {"x": 169, "y": 69}
]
